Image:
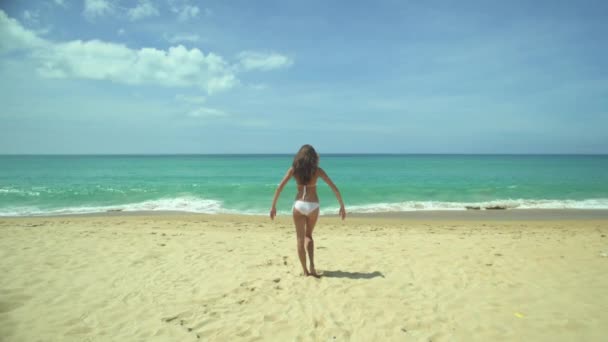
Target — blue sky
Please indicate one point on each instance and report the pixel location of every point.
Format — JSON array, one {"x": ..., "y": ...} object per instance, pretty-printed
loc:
[{"x": 184, "y": 76}]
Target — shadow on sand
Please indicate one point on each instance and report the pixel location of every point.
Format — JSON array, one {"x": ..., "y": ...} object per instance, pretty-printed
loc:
[{"x": 351, "y": 275}]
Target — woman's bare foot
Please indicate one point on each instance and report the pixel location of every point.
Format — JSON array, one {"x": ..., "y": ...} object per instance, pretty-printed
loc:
[{"x": 313, "y": 272}]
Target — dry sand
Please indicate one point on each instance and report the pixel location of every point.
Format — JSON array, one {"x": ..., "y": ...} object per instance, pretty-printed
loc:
[{"x": 227, "y": 278}]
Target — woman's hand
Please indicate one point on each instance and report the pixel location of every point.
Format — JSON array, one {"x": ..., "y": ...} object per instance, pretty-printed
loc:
[
  {"x": 273, "y": 213},
  {"x": 342, "y": 212}
]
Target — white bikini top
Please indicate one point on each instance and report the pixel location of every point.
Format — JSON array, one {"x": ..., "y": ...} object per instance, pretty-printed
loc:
[{"x": 304, "y": 190}]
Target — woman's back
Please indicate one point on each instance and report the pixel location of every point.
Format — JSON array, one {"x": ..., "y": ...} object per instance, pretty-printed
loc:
[{"x": 308, "y": 192}]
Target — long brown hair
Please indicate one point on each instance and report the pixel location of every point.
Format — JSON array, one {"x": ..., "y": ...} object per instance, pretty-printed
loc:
[{"x": 305, "y": 164}]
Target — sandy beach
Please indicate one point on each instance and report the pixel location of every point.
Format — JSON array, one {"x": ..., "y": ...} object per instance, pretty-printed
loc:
[{"x": 176, "y": 277}]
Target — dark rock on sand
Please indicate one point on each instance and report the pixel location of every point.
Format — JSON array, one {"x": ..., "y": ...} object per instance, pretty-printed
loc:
[{"x": 496, "y": 207}]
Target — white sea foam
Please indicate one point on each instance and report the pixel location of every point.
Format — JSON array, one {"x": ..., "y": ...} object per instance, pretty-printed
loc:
[
  {"x": 109, "y": 189},
  {"x": 183, "y": 204},
  {"x": 191, "y": 204},
  {"x": 186, "y": 204},
  {"x": 17, "y": 191},
  {"x": 9, "y": 191},
  {"x": 601, "y": 203}
]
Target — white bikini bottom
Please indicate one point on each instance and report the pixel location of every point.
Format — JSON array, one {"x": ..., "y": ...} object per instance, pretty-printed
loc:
[{"x": 305, "y": 208}]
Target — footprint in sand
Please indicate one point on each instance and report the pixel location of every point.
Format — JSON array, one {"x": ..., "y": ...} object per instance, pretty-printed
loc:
[
  {"x": 79, "y": 330},
  {"x": 170, "y": 319},
  {"x": 182, "y": 323},
  {"x": 10, "y": 306}
]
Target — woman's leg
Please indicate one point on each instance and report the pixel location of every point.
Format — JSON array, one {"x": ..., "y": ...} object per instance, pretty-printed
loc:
[
  {"x": 311, "y": 221},
  {"x": 300, "y": 222}
]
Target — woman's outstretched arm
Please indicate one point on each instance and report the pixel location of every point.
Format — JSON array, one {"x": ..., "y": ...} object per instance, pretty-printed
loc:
[
  {"x": 334, "y": 188},
  {"x": 277, "y": 193}
]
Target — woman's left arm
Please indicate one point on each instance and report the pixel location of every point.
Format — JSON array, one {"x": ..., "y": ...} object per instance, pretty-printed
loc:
[
  {"x": 334, "y": 188},
  {"x": 277, "y": 193}
]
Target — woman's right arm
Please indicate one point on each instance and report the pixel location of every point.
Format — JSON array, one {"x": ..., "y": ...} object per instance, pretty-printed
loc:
[
  {"x": 277, "y": 193},
  {"x": 334, "y": 188}
]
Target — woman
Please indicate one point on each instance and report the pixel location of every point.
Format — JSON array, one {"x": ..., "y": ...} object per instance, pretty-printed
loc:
[{"x": 305, "y": 169}]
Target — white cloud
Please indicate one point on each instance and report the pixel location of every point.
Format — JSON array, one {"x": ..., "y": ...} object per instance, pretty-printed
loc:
[
  {"x": 31, "y": 16},
  {"x": 226, "y": 81},
  {"x": 33, "y": 19},
  {"x": 252, "y": 60},
  {"x": 205, "y": 112},
  {"x": 184, "y": 10},
  {"x": 13, "y": 36},
  {"x": 97, "y": 8},
  {"x": 144, "y": 9},
  {"x": 176, "y": 66},
  {"x": 60, "y": 2},
  {"x": 98, "y": 60},
  {"x": 188, "y": 12},
  {"x": 183, "y": 38}
]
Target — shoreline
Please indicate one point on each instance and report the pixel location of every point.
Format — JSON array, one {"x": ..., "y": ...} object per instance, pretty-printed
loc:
[{"x": 426, "y": 215}]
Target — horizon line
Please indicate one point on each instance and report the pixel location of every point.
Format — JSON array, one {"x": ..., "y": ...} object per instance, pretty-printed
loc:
[{"x": 292, "y": 153}]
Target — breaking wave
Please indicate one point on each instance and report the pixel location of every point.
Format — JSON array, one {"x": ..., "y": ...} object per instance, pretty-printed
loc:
[{"x": 192, "y": 204}]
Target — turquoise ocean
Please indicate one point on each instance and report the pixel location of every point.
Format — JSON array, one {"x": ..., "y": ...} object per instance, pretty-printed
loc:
[{"x": 53, "y": 185}]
